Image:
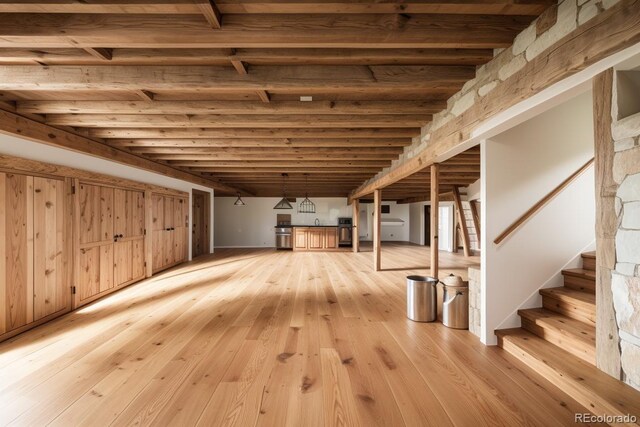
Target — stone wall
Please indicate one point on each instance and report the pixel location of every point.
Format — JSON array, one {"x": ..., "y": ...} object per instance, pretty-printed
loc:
[
  {"x": 551, "y": 26},
  {"x": 475, "y": 300},
  {"x": 625, "y": 280}
]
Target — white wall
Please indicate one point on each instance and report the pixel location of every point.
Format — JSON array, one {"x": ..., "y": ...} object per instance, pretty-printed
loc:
[
  {"x": 519, "y": 167},
  {"x": 252, "y": 226},
  {"x": 399, "y": 231},
  {"x": 19, "y": 147}
]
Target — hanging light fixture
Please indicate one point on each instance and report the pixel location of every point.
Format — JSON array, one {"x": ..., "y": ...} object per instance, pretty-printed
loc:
[
  {"x": 306, "y": 206},
  {"x": 239, "y": 201},
  {"x": 284, "y": 203}
]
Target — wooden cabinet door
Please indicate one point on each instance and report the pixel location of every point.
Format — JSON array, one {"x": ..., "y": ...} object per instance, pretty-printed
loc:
[
  {"x": 96, "y": 257},
  {"x": 300, "y": 238},
  {"x": 331, "y": 238},
  {"x": 16, "y": 251},
  {"x": 316, "y": 238},
  {"x": 51, "y": 294},
  {"x": 129, "y": 229}
]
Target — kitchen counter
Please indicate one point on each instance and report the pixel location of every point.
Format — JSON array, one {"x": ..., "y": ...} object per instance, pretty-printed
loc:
[{"x": 307, "y": 226}]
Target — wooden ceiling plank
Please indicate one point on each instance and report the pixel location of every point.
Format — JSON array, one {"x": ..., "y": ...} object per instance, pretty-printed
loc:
[
  {"x": 301, "y": 56},
  {"x": 292, "y": 143},
  {"x": 155, "y": 78},
  {"x": 264, "y": 31},
  {"x": 509, "y": 7},
  {"x": 255, "y": 133},
  {"x": 238, "y": 121},
  {"x": 231, "y": 107}
]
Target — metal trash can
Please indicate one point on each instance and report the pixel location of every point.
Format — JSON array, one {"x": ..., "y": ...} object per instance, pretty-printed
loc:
[
  {"x": 421, "y": 298},
  {"x": 455, "y": 305}
]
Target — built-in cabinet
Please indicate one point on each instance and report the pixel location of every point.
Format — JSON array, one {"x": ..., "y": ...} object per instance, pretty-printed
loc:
[
  {"x": 111, "y": 238},
  {"x": 69, "y": 239},
  {"x": 34, "y": 282},
  {"x": 170, "y": 219},
  {"x": 315, "y": 238}
]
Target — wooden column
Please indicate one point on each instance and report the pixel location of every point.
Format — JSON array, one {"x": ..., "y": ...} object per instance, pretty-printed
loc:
[
  {"x": 377, "y": 198},
  {"x": 435, "y": 193},
  {"x": 356, "y": 224},
  {"x": 607, "y": 350},
  {"x": 466, "y": 246},
  {"x": 148, "y": 233}
]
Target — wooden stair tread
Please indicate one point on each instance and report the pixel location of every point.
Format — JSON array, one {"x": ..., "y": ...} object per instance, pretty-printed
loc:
[
  {"x": 591, "y": 254},
  {"x": 597, "y": 391},
  {"x": 570, "y": 295},
  {"x": 548, "y": 319},
  {"x": 580, "y": 272},
  {"x": 575, "y": 336}
]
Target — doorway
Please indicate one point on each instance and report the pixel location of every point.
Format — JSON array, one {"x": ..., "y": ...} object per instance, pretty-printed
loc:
[
  {"x": 427, "y": 225},
  {"x": 200, "y": 235}
]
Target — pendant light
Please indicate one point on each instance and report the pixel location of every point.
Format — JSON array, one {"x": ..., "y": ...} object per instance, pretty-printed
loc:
[
  {"x": 239, "y": 201},
  {"x": 307, "y": 206},
  {"x": 284, "y": 203}
]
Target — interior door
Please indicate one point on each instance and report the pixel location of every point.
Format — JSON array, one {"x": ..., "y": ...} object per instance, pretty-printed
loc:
[
  {"x": 129, "y": 236},
  {"x": 51, "y": 293},
  {"x": 158, "y": 238},
  {"x": 168, "y": 241},
  {"x": 96, "y": 237},
  {"x": 16, "y": 251},
  {"x": 180, "y": 226}
]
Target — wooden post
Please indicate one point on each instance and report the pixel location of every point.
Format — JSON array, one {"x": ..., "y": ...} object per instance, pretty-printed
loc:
[
  {"x": 148, "y": 237},
  {"x": 435, "y": 192},
  {"x": 377, "y": 198},
  {"x": 607, "y": 350},
  {"x": 462, "y": 221},
  {"x": 356, "y": 224}
]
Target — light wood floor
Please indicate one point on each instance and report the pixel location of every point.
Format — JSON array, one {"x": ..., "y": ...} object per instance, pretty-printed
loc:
[{"x": 259, "y": 337}]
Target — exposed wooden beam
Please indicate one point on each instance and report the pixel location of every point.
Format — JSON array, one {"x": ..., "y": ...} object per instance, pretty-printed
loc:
[
  {"x": 265, "y": 142},
  {"x": 237, "y": 121},
  {"x": 290, "y": 169},
  {"x": 434, "y": 220},
  {"x": 254, "y": 133},
  {"x": 252, "y": 153},
  {"x": 317, "y": 164},
  {"x": 611, "y": 31},
  {"x": 377, "y": 247},
  {"x": 266, "y": 155},
  {"x": 252, "y": 30},
  {"x": 507, "y": 7},
  {"x": 231, "y": 107},
  {"x": 211, "y": 12},
  {"x": 100, "y": 53},
  {"x": 15, "y": 125},
  {"x": 155, "y": 78},
  {"x": 265, "y": 56},
  {"x": 466, "y": 245}
]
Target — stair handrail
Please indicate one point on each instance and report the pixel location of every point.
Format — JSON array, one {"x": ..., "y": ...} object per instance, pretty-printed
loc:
[{"x": 546, "y": 199}]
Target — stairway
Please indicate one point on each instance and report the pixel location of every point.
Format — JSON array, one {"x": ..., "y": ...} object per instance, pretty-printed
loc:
[{"x": 557, "y": 340}]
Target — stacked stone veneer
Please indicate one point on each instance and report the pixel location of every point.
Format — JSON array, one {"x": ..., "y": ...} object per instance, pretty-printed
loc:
[
  {"x": 550, "y": 27},
  {"x": 625, "y": 280},
  {"x": 475, "y": 300}
]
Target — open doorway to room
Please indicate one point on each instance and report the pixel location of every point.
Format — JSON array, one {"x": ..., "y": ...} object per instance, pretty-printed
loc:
[{"x": 200, "y": 232}]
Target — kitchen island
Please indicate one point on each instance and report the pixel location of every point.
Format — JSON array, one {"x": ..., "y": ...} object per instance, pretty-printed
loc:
[{"x": 315, "y": 238}]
